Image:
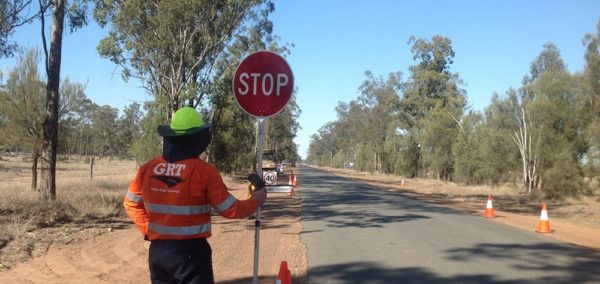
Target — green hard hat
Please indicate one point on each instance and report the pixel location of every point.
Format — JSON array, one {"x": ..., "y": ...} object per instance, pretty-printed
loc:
[{"x": 185, "y": 121}]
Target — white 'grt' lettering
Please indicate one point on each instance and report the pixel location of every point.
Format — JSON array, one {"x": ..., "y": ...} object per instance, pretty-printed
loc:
[
  {"x": 267, "y": 83},
  {"x": 168, "y": 169}
]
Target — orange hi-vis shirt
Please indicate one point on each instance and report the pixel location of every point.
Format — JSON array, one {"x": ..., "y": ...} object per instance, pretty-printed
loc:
[{"x": 174, "y": 200}]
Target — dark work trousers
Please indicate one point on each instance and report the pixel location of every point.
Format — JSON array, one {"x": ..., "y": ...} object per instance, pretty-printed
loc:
[{"x": 180, "y": 261}]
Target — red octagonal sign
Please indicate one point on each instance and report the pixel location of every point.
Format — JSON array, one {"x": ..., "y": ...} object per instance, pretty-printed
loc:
[{"x": 263, "y": 84}]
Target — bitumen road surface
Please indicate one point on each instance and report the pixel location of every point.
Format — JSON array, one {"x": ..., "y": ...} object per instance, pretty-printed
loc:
[{"x": 356, "y": 233}]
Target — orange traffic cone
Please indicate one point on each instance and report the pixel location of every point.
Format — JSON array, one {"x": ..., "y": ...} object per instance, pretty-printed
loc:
[
  {"x": 402, "y": 185},
  {"x": 295, "y": 181},
  {"x": 290, "y": 180},
  {"x": 544, "y": 223},
  {"x": 489, "y": 208},
  {"x": 284, "y": 276}
]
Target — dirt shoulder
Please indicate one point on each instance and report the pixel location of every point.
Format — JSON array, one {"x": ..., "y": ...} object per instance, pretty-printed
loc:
[
  {"x": 576, "y": 221},
  {"x": 112, "y": 251},
  {"x": 233, "y": 242}
]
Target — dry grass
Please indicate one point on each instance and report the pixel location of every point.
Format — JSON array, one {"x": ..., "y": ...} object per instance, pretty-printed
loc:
[
  {"x": 83, "y": 206},
  {"x": 78, "y": 198}
]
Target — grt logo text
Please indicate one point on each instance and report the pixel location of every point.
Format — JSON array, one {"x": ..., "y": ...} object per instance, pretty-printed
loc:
[{"x": 168, "y": 169}]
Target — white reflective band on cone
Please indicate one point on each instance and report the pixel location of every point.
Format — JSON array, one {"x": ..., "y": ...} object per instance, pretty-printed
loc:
[{"x": 544, "y": 215}]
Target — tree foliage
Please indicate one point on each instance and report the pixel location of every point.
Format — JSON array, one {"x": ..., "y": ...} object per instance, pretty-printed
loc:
[
  {"x": 397, "y": 126},
  {"x": 172, "y": 46},
  {"x": 12, "y": 15},
  {"x": 543, "y": 135},
  {"x": 23, "y": 106}
]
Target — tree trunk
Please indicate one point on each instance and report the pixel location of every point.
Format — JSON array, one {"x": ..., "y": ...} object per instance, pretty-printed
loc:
[
  {"x": 529, "y": 159},
  {"x": 48, "y": 185},
  {"x": 35, "y": 156},
  {"x": 375, "y": 163}
]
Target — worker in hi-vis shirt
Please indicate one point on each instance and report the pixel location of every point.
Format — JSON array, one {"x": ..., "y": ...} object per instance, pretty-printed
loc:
[{"x": 170, "y": 201}]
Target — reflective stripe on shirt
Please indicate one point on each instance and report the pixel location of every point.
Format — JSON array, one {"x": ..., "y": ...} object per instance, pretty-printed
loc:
[
  {"x": 178, "y": 210},
  {"x": 226, "y": 204},
  {"x": 133, "y": 197},
  {"x": 179, "y": 230}
]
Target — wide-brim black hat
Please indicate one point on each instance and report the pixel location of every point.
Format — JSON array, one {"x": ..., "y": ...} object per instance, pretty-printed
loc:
[{"x": 165, "y": 130}]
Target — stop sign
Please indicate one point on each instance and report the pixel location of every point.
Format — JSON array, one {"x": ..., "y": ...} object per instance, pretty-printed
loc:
[{"x": 263, "y": 83}]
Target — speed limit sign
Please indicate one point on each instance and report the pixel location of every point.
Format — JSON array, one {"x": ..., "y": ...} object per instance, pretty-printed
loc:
[{"x": 270, "y": 177}]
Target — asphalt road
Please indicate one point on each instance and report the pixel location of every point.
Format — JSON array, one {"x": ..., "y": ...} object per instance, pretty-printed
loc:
[{"x": 356, "y": 233}]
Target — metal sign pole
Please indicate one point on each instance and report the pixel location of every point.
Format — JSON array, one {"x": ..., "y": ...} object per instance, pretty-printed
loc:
[{"x": 259, "y": 170}]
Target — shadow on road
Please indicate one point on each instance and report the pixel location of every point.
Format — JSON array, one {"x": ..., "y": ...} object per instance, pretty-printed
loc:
[
  {"x": 540, "y": 257},
  {"x": 582, "y": 266},
  {"x": 370, "y": 272},
  {"x": 344, "y": 208}
]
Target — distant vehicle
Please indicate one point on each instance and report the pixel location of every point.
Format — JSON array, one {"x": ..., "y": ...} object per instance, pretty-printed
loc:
[
  {"x": 281, "y": 167},
  {"x": 268, "y": 162}
]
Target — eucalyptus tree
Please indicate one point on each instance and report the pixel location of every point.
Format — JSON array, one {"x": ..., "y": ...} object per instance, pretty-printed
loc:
[
  {"x": 172, "y": 46},
  {"x": 380, "y": 102},
  {"x": 149, "y": 145},
  {"x": 467, "y": 149},
  {"x": 281, "y": 131},
  {"x": 548, "y": 59},
  {"x": 75, "y": 12},
  {"x": 551, "y": 123},
  {"x": 532, "y": 107},
  {"x": 363, "y": 129},
  {"x": 323, "y": 146},
  {"x": 128, "y": 128},
  {"x": 500, "y": 157},
  {"x": 23, "y": 104},
  {"x": 431, "y": 104},
  {"x": 105, "y": 122},
  {"x": 73, "y": 101},
  {"x": 591, "y": 102},
  {"x": 349, "y": 128}
]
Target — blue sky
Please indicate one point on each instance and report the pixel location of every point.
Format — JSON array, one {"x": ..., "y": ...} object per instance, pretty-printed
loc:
[{"x": 336, "y": 41}]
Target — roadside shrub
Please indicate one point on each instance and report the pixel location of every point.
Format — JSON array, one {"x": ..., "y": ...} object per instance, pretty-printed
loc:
[
  {"x": 49, "y": 213},
  {"x": 563, "y": 178}
]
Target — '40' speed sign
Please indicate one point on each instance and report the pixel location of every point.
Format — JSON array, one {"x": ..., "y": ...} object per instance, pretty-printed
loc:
[{"x": 270, "y": 177}]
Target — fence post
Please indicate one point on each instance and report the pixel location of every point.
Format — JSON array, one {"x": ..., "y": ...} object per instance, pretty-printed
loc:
[{"x": 91, "y": 167}]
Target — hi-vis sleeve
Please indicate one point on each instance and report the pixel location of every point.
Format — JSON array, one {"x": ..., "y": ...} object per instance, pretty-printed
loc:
[
  {"x": 134, "y": 205},
  {"x": 225, "y": 203}
]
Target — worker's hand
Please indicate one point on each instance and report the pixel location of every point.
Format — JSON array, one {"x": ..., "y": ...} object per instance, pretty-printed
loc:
[{"x": 260, "y": 195}]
